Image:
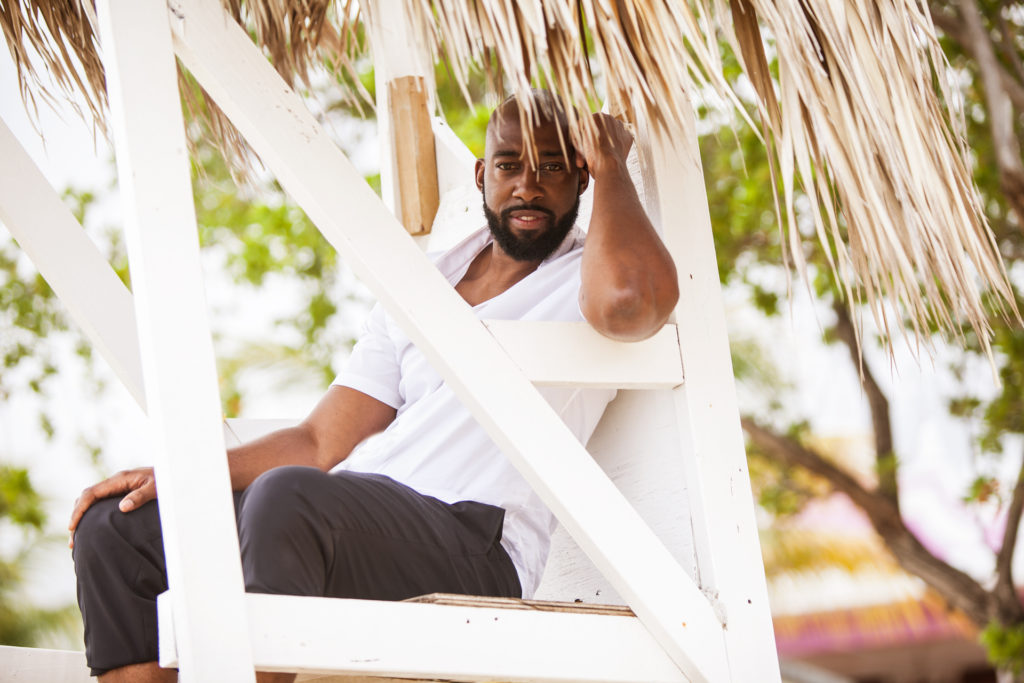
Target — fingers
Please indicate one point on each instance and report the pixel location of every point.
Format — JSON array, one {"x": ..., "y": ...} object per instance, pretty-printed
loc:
[
  {"x": 139, "y": 484},
  {"x": 138, "y": 497},
  {"x": 609, "y": 147}
]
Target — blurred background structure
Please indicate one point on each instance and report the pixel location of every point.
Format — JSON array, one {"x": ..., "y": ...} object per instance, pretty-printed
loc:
[{"x": 891, "y": 483}]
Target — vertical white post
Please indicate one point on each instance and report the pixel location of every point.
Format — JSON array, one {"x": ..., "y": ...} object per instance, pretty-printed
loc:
[
  {"x": 730, "y": 568},
  {"x": 200, "y": 540}
]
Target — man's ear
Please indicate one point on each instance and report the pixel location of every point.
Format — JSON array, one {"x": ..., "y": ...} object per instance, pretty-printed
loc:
[
  {"x": 584, "y": 180},
  {"x": 479, "y": 173}
]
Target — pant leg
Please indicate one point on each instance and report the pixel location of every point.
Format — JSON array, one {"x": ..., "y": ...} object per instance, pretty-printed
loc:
[
  {"x": 302, "y": 532},
  {"x": 119, "y": 562},
  {"x": 357, "y": 535},
  {"x": 120, "y": 570}
]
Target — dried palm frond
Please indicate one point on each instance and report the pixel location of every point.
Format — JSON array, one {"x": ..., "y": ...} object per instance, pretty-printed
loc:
[
  {"x": 63, "y": 35},
  {"x": 863, "y": 118},
  {"x": 861, "y": 115}
]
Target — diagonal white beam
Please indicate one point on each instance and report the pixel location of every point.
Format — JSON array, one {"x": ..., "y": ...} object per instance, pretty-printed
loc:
[
  {"x": 196, "y": 508},
  {"x": 318, "y": 176},
  {"x": 49, "y": 234}
]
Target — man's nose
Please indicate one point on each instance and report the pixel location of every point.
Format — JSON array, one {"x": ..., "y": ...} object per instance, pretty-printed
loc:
[{"x": 527, "y": 188}]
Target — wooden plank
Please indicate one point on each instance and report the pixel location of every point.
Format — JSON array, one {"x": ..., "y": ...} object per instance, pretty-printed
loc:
[
  {"x": 200, "y": 539},
  {"x": 451, "y": 642},
  {"x": 414, "y": 153},
  {"x": 318, "y": 176},
  {"x": 721, "y": 503},
  {"x": 86, "y": 285},
  {"x": 516, "y": 603},
  {"x": 39, "y": 665},
  {"x": 574, "y": 354}
]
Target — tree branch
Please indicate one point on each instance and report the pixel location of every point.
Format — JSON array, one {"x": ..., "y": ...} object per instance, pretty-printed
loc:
[
  {"x": 953, "y": 28},
  {"x": 878, "y": 403},
  {"x": 1004, "y": 558},
  {"x": 999, "y": 106},
  {"x": 957, "y": 588},
  {"x": 1006, "y": 44}
]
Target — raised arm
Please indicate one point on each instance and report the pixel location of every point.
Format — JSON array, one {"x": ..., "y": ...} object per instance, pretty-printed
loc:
[
  {"x": 629, "y": 284},
  {"x": 342, "y": 419}
]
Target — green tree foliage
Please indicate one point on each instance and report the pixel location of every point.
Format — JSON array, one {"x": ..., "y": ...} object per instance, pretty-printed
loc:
[
  {"x": 22, "y": 525},
  {"x": 750, "y": 257}
]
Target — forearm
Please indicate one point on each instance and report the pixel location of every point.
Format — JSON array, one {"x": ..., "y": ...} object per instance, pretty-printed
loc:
[
  {"x": 289, "y": 446},
  {"x": 629, "y": 285},
  {"x": 340, "y": 421}
]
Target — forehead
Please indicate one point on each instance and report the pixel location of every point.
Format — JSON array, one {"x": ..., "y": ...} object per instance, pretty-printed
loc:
[{"x": 505, "y": 137}]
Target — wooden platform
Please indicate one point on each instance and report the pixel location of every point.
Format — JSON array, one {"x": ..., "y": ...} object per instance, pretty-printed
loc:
[
  {"x": 516, "y": 603},
  {"x": 35, "y": 665}
]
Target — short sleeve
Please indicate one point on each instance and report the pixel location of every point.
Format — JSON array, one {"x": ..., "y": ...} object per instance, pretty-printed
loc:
[{"x": 373, "y": 367}]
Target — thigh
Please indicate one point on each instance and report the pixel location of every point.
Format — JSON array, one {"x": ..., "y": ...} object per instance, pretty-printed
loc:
[{"x": 370, "y": 537}]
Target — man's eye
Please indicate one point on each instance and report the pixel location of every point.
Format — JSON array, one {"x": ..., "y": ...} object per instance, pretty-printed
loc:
[
  {"x": 507, "y": 166},
  {"x": 552, "y": 167}
]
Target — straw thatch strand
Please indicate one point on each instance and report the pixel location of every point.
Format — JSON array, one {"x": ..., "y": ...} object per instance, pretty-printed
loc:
[{"x": 862, "y": 116}]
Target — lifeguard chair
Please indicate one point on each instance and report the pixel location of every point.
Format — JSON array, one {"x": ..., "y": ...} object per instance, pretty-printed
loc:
[{"x": 655, "y": 574}]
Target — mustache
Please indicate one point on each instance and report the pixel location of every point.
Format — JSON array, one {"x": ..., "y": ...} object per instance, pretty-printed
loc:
[{"x": 507, "y": 213}]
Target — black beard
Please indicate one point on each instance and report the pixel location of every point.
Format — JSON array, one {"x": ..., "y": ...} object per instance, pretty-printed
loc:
[{"x": 538, "y": 248}]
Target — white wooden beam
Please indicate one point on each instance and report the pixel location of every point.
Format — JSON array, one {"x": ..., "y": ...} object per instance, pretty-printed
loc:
[
  {"x": 455, "y": 161},
  {"x": 39, "y": 665},
  {"x": 86, "y": 285},
  {"x": 196, "y": 508},
  {"x": 456, "y": 643},
  {"x": 318, "y": 176},
  {"x": 574, "y": 354},
  {"x": 718, "y": 482}
]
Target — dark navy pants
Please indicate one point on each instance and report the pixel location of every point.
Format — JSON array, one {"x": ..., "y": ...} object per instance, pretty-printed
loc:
[{"x": 302, "y": 532}]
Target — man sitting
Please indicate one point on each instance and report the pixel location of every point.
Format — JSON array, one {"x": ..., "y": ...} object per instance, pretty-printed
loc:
[{"x": 430, "y": 504}]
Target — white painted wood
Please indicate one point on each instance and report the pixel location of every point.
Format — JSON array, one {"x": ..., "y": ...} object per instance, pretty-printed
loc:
[
  {"x": 177, "y": 354},
  {"x": 721, "y": 503},
  {"x": 637, "y": 445},
  {"x": 455, "y": 163},
  {"x": 242, "y": 430},
  {"x": 39, "y": 665},
  {"x": 450, "y": 642},
  {"x": 49, "y": 234},
  {"x": 294, "y": 147},
  {"x": 574, "y": 354},
  {"x": 461, "y": 209}
]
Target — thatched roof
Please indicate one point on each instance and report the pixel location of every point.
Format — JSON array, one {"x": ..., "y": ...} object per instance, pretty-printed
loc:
[{"x": 862, "y": 118}]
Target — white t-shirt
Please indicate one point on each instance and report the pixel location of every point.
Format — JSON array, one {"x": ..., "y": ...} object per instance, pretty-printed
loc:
[{"x": 434, "y": 445}]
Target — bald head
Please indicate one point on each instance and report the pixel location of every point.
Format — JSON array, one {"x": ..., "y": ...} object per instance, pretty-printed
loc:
[{"x": 541, "y": 110}]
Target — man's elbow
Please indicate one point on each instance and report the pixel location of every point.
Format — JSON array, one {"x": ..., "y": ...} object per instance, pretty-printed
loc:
[{"x": 632, "y": 314}]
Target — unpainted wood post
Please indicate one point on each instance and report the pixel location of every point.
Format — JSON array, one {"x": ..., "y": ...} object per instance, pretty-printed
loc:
[{"x": 415, "y": 158}]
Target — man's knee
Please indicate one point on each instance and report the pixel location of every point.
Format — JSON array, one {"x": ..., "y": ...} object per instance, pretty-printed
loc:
[
  {"x": 279, "y": 497},
  {"x": 104, "y": 532}
]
